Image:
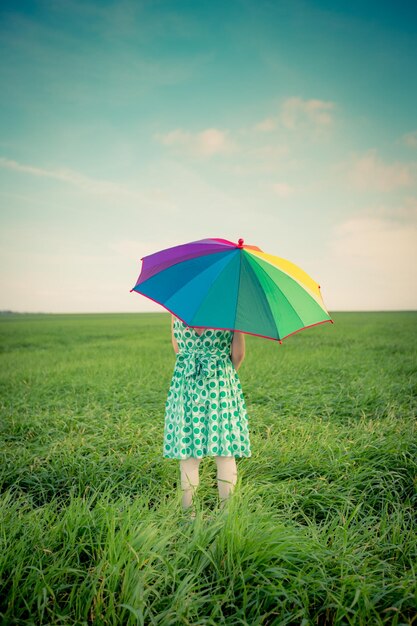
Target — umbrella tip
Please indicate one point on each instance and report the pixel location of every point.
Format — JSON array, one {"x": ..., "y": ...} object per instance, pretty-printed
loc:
[{"x": 240, "y": 243}]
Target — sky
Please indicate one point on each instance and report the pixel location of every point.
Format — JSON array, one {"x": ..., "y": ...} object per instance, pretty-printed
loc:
[{"x": 132, "y": 126}]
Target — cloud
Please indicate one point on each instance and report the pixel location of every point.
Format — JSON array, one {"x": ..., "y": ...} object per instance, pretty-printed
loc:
[
  {"x": 369, "y": 172},
  {"x": 379, "y": 243},
  {"x": 405, "y": 213},
  {"x": 267, "y": 124},
  {"x": 91, "y": 185},
  {"x": 65, "y": 175},
  {"x": 283, "y": 189},
  {"x": 410, "y": 139},
  {"x": 372, "y": 261},
  {"x": 203, "y": 144},
  {"x": 409, "y": 211},
  {"x": 296, "y": 112}
]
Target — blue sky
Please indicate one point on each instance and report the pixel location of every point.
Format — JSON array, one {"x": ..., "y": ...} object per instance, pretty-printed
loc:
[{"x": 127, "y": 127}]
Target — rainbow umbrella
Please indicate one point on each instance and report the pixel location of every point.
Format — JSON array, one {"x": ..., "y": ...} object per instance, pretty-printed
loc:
[{"x": 216, "y": 283}]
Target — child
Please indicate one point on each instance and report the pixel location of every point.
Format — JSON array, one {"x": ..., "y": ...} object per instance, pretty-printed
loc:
[{"x": 205, "y": 411}]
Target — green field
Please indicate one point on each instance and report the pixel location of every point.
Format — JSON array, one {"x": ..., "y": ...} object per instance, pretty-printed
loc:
[{"x": 321, "y": 528}]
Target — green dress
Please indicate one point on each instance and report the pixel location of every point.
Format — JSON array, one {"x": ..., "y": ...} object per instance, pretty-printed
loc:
[{"x": 205, "y": 411}]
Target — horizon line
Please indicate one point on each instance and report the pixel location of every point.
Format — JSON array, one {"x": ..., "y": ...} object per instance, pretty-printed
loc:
[{"x": 4, "y": 312}]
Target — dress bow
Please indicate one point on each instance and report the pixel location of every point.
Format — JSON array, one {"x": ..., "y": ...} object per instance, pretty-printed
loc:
[{"x": 199, "y": 363}]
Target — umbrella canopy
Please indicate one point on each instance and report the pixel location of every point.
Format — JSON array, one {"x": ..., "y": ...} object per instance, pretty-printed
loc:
[{"x": 216, "y": 283}]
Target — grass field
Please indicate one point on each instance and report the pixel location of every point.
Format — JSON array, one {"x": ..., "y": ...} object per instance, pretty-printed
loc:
[{"x": 321, "y": 528}]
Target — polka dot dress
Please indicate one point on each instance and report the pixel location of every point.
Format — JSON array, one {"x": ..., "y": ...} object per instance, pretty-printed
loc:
[{"x": 205, "y": 411}]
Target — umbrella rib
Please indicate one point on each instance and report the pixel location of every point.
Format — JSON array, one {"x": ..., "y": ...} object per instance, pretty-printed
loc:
[
  {"x": 198, "y": 274},
  {"x": 214, "y": 281},
  {"x": 302, "y": 284},
  {"x": 238, "y": 288},
  {"x": 280, "y": 290},
  {"x": 221, "y": 249},
  {"x": 266, "y": 299}
]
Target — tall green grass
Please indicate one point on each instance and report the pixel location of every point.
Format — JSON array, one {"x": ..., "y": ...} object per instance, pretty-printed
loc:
[{"x": 321, "y": 528}]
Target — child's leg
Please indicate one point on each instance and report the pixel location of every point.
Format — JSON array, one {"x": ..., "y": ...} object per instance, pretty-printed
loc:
[
  {"x": 189, "y": 479},
  {"x": 226, "y": 477}
]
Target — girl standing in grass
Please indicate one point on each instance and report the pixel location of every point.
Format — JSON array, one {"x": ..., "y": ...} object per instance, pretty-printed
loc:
[{"x": 205, "y": 411}]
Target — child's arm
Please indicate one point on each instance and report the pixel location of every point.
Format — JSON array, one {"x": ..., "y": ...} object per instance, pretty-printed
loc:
[
  {"x": 238, "y": 349},
  {"x": 174, "y": 341}
]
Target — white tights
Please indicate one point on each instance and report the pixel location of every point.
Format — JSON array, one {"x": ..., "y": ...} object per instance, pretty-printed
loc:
[{"x": 226, "y": 478}]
